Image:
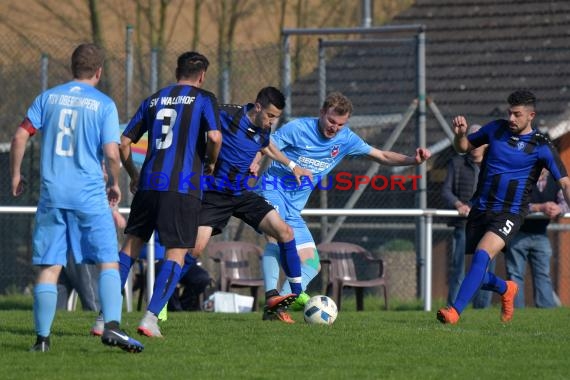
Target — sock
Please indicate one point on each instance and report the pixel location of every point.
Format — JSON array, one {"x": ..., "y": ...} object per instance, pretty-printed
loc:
[
  {"x": 307, "y": 274},
  {"x": 189, "y": 262},
  {"x": 110, "y": 295},
  {"x": 270, "y": 264},
  {"x": 125, "y": 264},
  {"x": 291, "y": 263},
  {"x": 494, "y": 283},
  {"x": 472, "y": 281},
  {"x": 45, "y": 302},
  {"x": 164, "y": 286}
]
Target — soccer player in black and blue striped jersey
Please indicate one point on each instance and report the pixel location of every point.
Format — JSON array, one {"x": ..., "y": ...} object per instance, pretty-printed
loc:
[
  {"x": 245, "y": 131},
  {"x": 184, "y": 139},
  {"x": 516, "y": 155}
]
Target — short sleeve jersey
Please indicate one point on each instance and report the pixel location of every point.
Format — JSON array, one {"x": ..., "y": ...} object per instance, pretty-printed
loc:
[
  {"x": 177, "y": 119},
  {"x": 301, "y": 141},
  {"x": 241, "y": 141},
  {"x": 511, "y": 166},
  {"x": 76, "y": 120}
]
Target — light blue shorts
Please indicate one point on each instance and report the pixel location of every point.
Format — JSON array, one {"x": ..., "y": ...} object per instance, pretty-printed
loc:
[
  {"x": 292, "y": 216},
  {"x": 90, "y": 235}
]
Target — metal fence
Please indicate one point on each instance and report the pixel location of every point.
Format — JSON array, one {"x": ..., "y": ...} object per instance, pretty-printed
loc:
[
  {"x": 381, "y": 77},
  {"x": 399, "y": 259}
]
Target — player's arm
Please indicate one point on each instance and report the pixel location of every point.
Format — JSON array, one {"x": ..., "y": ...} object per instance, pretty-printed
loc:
[
  {"x": 255, "y": 165},
  {"x": 274, "y": 153},
  {"x": 213, "y": 147},
  {"x": 128, "y": 163},
  {"x": 390, "y": 158},
  {"x": 17, "y": 151},
  {"x": 113, "y": 163},
  {"x": 460, "y": 141}
]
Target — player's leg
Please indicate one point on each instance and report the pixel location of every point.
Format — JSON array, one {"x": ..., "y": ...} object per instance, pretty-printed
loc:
[
  {"x": 261, "y": 215},
  {"x": 489, "y": 246},
  {"x": 483, "y": 296},
  {"x": 98, "y": 239},
  {"x": 500, "y": 228},
  {"x": 164, "y": 286},
  {"x": 271, "y": 255},
  {"x": 49, "y": 254},
  {"x": 45, "y": 302},
  {"x": 274, "y": 226},
  {"x": 215, "y": 212},
  {"x": 177, "y": 226},
  {"x": 139, "y": 229},
  {"x": 310, "y": 262}
]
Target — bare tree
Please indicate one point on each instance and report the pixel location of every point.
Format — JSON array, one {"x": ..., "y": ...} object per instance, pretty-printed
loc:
[
  {"x": 228, "y": 14},
  {"x": 97, "y": 38},
  {"x": 196, "y": 24}
]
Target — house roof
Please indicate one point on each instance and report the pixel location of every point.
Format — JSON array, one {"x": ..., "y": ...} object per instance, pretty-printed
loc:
[{"x": 477, "y": 53}]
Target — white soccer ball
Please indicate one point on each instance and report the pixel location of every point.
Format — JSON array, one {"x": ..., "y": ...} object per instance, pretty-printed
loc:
[{"x": 320, "y": 310}]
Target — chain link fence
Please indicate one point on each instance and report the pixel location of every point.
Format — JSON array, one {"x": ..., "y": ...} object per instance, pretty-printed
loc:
[{"x": 381, "y": 78}]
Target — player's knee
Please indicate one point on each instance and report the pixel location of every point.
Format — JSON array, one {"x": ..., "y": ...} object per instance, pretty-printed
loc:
[
  {"x": 285, "y": 233},
  {"x": 199, "y": 247}
]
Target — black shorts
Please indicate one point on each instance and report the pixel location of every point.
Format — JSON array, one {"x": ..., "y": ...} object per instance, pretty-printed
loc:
[
  {"x": 218, "y": 208},
  {"x": 173, "y": 215},
  {"x": 503, "y": 224}
]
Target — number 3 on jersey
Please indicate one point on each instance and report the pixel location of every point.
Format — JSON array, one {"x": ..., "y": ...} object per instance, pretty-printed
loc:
[
  {"x": 168, "y": 117},
  {"x": 66, "y": 125}
]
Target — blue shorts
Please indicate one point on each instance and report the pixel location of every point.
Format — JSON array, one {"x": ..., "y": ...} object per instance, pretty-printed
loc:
[
  {"x": 91, "y": 236},
  {"x": 292, "y": 216}
]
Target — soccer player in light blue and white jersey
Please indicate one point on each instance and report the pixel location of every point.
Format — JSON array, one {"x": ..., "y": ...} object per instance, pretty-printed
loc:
[
  {"x": 316, "y": 144},
  {"x": 80, "y": 128}
]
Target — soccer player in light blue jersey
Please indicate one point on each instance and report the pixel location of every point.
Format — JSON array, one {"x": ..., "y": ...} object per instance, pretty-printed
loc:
[
  {"x": 79, "y": 128},
  {"x": 317, "y": 144}
]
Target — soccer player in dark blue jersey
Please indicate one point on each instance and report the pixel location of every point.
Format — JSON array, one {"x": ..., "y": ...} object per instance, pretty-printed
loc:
[
  {"x": 178, "y": 118},
  {"x": 516, "y": 155},
  {"x": 246, "y": 131}
]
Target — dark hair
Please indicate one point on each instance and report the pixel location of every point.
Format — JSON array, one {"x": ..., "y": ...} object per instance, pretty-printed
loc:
[
  {"x": 86, "y": 60},
  {"x": 338, "y": 102},
  {"x": 270, "y": 95},
  {"x": 190, "y": 65},
  {"x": 522, "y": 98}
]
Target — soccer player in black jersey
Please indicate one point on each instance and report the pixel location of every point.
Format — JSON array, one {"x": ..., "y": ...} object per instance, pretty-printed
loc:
[
  {"x": 516, "y": 155},
  {"x": 245, "y": 131},
  {"x": 184, "y": 139}
]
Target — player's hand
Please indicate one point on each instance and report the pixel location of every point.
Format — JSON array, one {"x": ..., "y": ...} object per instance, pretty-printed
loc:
[
  {"x": 114, "y": 195},
  {"x": 422, "y": 155},
  {"x": 459, "y": 124},
  {"x": 299, "y": 172},
  {"x": 134, "y": 184},
  {"x": 209, "y": 168},
  {"x": 18, "y": 185},
  {"x": 254, "y": 169}
]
